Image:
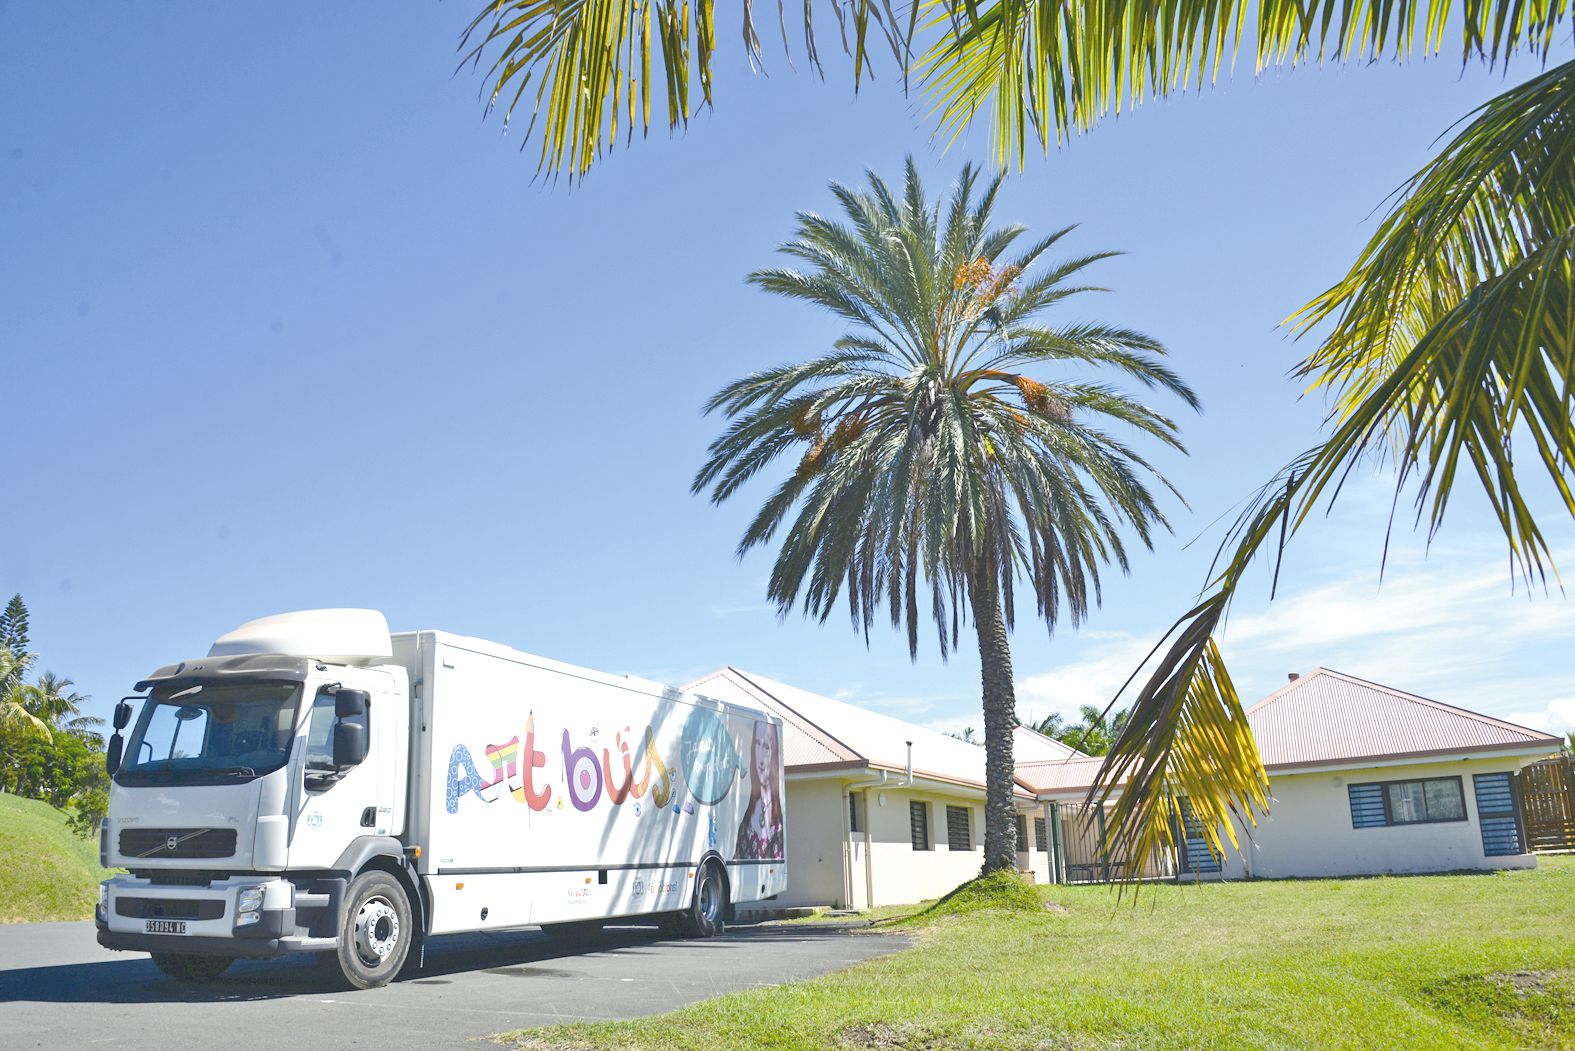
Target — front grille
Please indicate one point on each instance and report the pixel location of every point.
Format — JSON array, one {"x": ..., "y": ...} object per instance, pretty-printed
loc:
[
  {"x": 169, "y": 908},
  {"x": 179, "y": 877},
  {"x": 177, "y": 842}
]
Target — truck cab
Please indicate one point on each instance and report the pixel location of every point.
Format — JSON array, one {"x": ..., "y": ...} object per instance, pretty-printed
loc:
[{"x": 255, "y": 788}]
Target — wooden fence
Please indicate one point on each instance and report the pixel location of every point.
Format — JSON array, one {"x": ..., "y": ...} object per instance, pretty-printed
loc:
[{"x": 1547, "y": 803}]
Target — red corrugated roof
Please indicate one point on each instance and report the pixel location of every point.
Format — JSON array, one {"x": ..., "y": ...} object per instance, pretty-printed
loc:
[
  {"x": 1328, "y": 718},
  {"x": 1331, "y": 717}
]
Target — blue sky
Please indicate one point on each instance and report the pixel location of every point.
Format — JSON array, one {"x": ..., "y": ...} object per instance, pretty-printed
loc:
[{"x": 286, "y": 323}]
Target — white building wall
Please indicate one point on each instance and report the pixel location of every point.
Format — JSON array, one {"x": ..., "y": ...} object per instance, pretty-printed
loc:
[
  {"x": 877, "y": 865},
  {"x": 903, "y": 874},
  {"x": 1030, "y": 858},
  {"x": 1309, "y": 832},
  {"x": 814, "y": 843}
]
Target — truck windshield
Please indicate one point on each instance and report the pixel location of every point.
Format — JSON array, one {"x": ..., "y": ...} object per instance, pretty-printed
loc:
[{"x": 211, "y": 734}]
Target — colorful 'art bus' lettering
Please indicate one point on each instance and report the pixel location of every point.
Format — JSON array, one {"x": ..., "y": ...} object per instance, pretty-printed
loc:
[{"x": 514, "y": 769}]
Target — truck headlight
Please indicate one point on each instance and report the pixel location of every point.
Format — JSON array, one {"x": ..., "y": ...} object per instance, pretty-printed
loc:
[
  {"x": 103, "y": 900},
  {"x": 250, "y": 900},
  {"x": 246, "y": 919}
]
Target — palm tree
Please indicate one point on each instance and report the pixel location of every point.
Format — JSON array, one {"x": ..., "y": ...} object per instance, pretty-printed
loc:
[
  {"x": 1052, "y": 726},
  {"x": 1093, "y": 734},
  {"x": 1451, "y": 333},
  {"x": 52, "y": 699},
  {"x": 933, "y": 472},
  {"x": 15, "y": 694}
]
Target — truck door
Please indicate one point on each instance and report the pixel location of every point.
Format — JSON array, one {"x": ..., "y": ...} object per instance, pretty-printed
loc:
[{"x": 333, "y": 806}]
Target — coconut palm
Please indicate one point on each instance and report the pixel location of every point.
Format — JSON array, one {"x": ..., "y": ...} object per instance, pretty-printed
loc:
[
  {"x": 58, "y": 706},
  {"x": 14, "y": 710},
  {"x": 1052, "y": 726},
  {"x": 1095, "y": 730},
  {"x": 53, "y": 700},
  {"x": 933, "y": 471}
]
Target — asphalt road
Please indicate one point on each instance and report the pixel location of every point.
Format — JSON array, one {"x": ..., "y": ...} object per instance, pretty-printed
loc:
[{"x": 58, "y": 989}]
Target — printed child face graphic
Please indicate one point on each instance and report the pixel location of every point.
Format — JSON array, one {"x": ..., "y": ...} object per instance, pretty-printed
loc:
[{"x": 764, "y": 760}]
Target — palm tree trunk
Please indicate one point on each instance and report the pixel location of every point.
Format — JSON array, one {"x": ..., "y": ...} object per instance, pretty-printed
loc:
[{"x": 1000, "y": 710}]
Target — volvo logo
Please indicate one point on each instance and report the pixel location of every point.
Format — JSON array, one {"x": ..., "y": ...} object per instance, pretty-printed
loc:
[{"x": 172, "y": 844}]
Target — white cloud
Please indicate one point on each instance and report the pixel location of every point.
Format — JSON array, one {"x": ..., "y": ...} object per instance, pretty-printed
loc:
[
  {"x": 1450, "y": 628},
  {"x": 1091, "y": 680},
  {"x": 1464, "y": 638},
  {"x": 1556, "y": 717}
]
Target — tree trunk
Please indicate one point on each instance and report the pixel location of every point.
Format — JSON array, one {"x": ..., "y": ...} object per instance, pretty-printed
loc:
[{"x": 1000, "y": 711}]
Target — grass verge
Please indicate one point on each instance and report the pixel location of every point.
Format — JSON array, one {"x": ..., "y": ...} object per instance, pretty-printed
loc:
[
  {"x": 1406, "y": 962},
  {"x": 46, "y": 872}
]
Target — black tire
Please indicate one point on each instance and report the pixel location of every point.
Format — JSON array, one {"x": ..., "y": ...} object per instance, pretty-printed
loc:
[
  {"x": 375, "y": 933},
  {"x": 185, "y": 968},
  {"x": 706, "y": 915}
]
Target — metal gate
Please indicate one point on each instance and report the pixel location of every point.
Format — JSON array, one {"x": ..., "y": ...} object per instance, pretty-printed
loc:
[
  {"x": 1547, "y": 803},
  {"x": 1079, "y": 831}
]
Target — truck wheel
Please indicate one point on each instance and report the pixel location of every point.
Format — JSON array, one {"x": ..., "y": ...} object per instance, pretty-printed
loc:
[
  {"x": 184, "y": 968},
  {"x": 703, "y": 917},
  {"x": 375, "y": 933}
]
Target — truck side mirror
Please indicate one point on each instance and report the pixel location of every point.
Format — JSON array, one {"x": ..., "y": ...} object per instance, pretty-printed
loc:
[
  {"x": 350, "y": 703},
  {"x": 349, "y": 744},
  {"x": 122, "y": 714},
  {"x": 112, "y": 754}
]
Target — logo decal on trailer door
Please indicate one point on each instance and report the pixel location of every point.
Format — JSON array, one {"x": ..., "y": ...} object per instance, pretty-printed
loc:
[{"x": 711, "y": 763}]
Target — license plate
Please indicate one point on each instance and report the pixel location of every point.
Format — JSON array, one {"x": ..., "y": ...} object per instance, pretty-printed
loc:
[{"x": 165, "y": 927}]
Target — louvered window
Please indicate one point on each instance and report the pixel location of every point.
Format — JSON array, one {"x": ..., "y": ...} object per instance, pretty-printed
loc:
[
  {"x": 1498, "y": 814},
  {"x": 1196, "y": 857},
  {"x": 1041, "y": 836},
  {"x": 919, "y": 825},
  {"x": 1367, "y": 806},
  {"x": 853, "y": 813},
  {"x": 958, "y": 835},
  {"x": 1022, "y": 833}
]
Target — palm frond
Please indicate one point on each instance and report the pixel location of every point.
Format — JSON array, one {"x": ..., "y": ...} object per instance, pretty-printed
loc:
[
  {"x": 1038, "y": 70},
  {"x": 1455, "y": 330},
  {"x": 583, "y": 69},
  {"x": 1450, "y": 340}
]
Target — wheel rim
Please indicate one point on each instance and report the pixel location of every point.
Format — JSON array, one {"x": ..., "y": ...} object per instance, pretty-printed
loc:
[
  {"x": 376, "y": 930},
  {"x": 710, "y": 899}
]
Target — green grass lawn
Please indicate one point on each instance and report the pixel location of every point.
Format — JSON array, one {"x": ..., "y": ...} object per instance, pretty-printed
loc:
[
  {"x": 1481, "y": 961},
  {"x": 46, "y": 872}
]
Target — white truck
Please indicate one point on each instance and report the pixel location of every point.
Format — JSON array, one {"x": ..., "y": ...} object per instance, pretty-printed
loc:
[{"x": 318, "y": 785}]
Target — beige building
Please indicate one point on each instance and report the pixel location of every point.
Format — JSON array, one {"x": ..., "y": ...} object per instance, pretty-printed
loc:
[
  {"x": 880, "y": 811},
  {"x": 1364, "y": 780}
]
